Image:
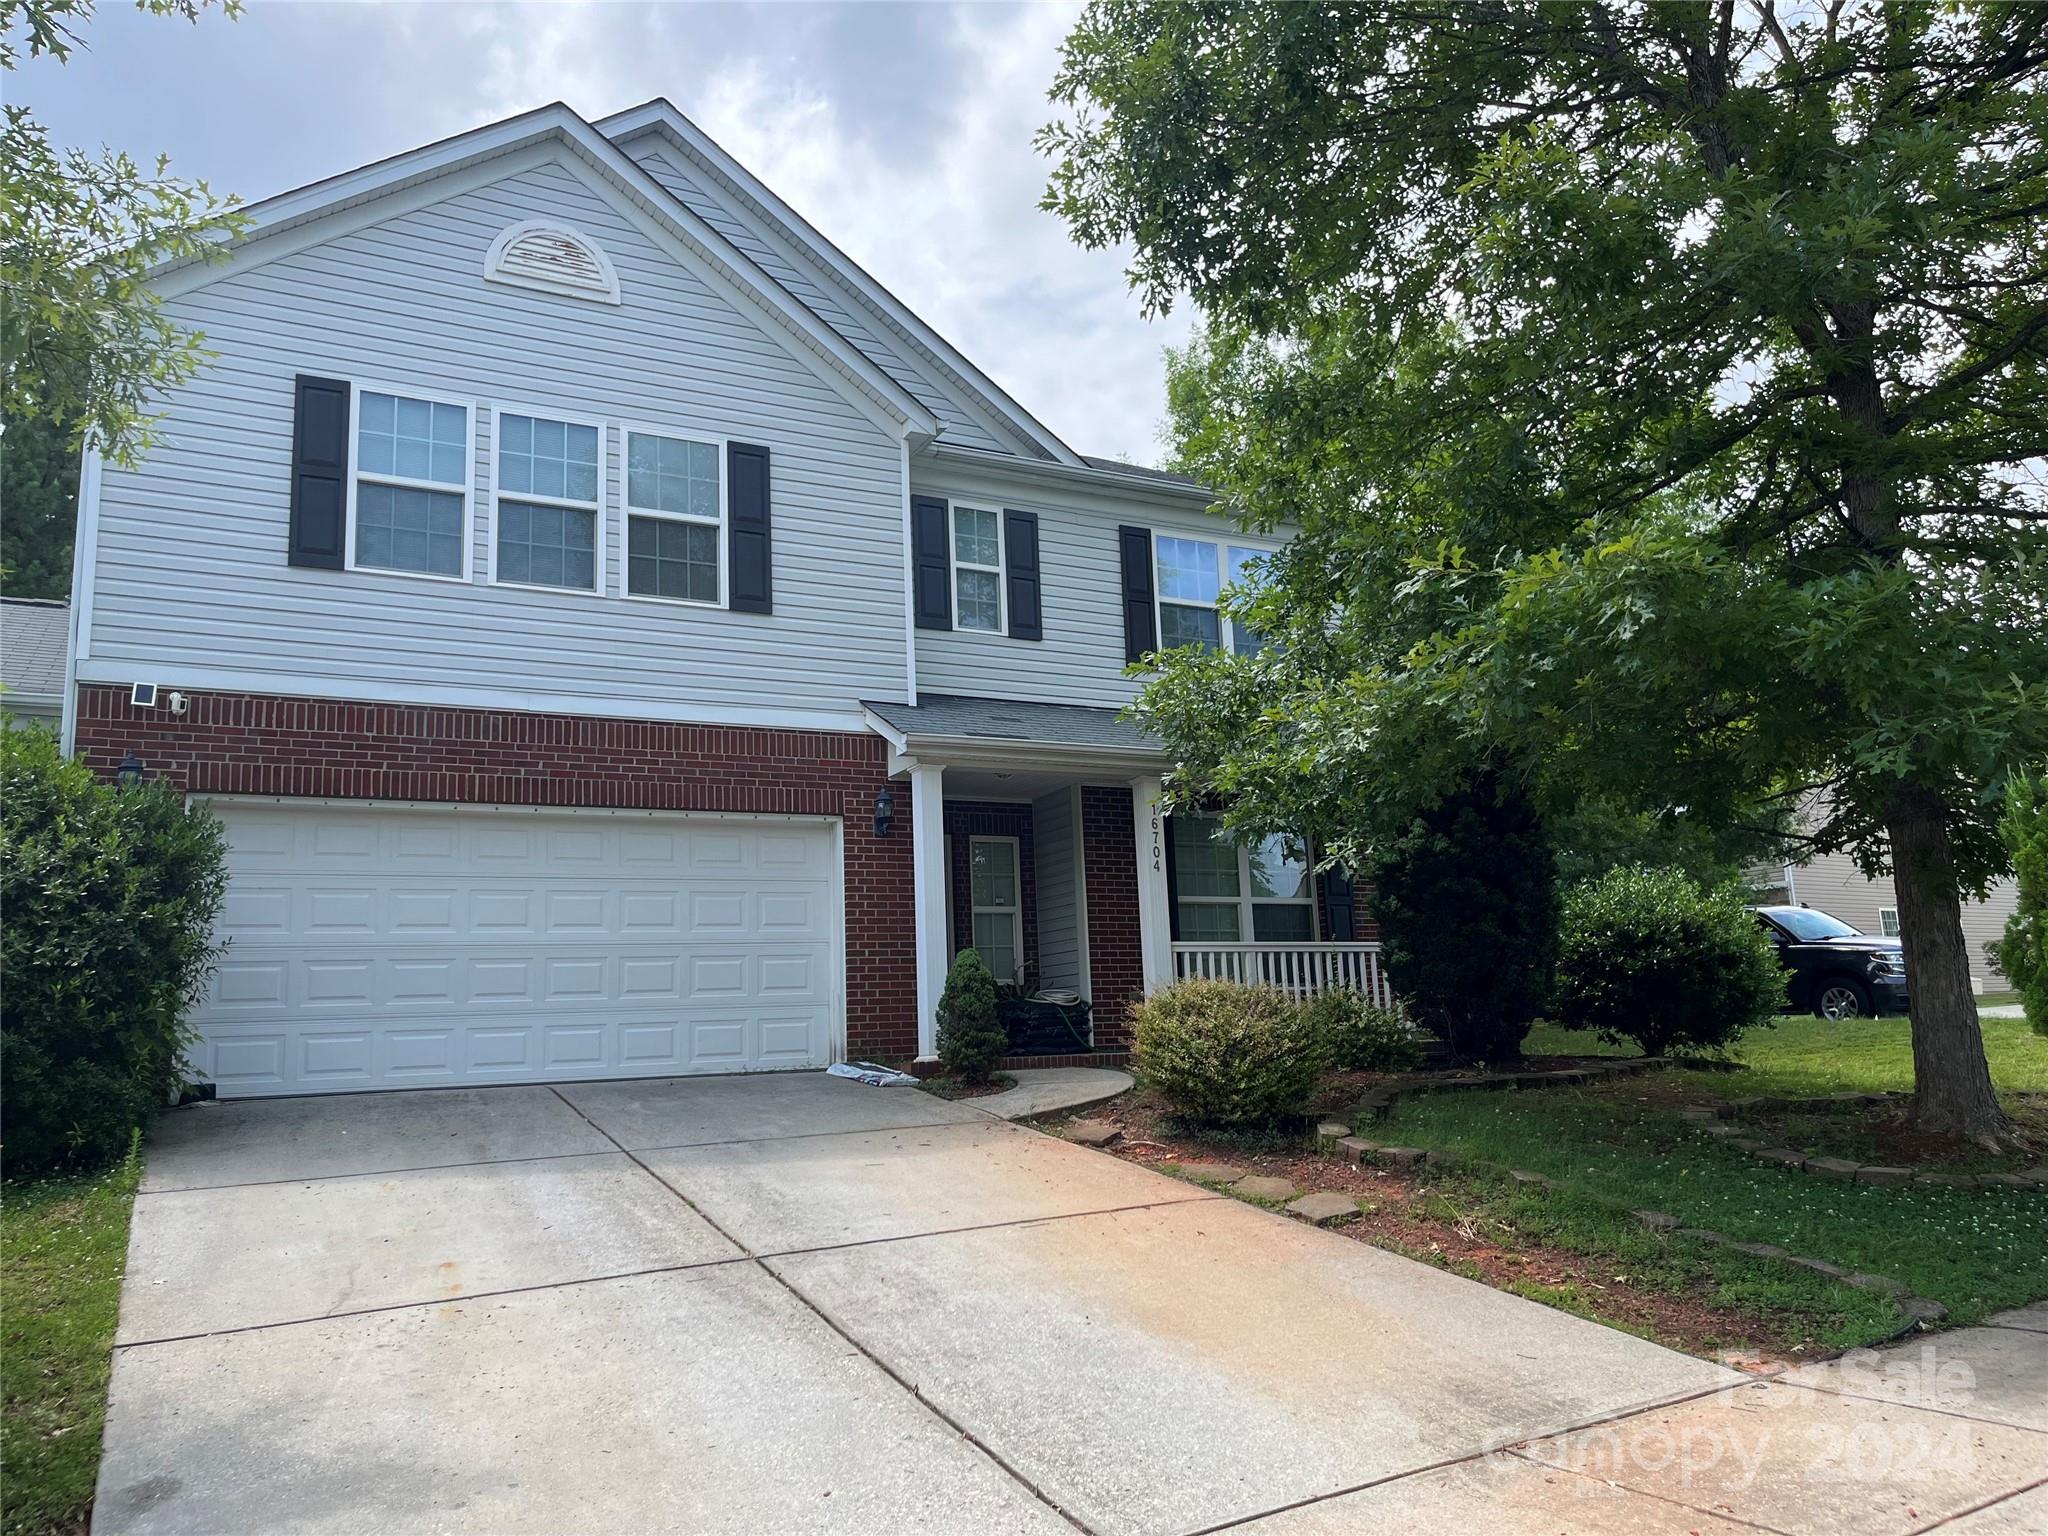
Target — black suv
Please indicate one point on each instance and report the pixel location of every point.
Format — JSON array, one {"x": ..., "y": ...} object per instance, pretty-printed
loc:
[{"x": 1837, "y": 972}]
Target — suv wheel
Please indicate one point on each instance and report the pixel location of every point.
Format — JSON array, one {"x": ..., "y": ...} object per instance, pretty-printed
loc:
[{"x": 1841, "y": 997}]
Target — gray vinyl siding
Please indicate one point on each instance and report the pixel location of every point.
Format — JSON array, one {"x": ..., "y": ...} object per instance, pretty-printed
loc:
[
  {"x": 818, "y": 294},
  {"x": 192, "y": 576},
  {"x": 1081, "y": 658},
  {"x": 1055, "y": 831},
  {"x": 1833, "y": 883}
]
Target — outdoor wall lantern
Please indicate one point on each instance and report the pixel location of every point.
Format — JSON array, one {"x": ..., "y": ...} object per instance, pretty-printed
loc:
[
  {"x": 130, "y": 771},
  {"x": 885, "y": 810}
]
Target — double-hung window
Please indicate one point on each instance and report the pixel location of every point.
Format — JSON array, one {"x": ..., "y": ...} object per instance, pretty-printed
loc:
[
  {"x": 1888, "y": 922},
  {"x": 410, "y": 492},
  {"x": 977, "y": 568},
  {"x": 994, "y": 883},
  {"x": 1191, "y": 575},
  {"x": 548, "y": 513},
  {"x": 675, "y": 516},
  {"x": 1226, "y": 892}
]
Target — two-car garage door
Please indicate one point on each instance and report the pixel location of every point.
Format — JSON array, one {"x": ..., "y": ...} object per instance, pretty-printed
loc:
[{"x": 403, "y": 947}]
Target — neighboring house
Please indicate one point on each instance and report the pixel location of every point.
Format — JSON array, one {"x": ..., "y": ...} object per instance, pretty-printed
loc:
[
  {"x": 33, "y": 636},
  {"x": 1834, "y": 884},
  {"x": 623, "y": 639}
]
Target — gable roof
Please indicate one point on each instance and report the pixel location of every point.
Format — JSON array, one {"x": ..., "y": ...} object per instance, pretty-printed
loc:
[
  {"x": 797, "y": 237},
  {"x": 271, "y": 223},
  {"x": 33, "y": 634}
]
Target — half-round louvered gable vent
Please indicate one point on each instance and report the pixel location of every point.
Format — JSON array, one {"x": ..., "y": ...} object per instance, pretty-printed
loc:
[{"x": 554, "y": 258}]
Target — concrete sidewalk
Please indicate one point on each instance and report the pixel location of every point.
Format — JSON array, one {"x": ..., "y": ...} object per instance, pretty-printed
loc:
[{"x": 794, "y": 1303}]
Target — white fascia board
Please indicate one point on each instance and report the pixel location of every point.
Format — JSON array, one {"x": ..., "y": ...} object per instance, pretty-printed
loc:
[
  {"x": 1114, "y": 763},
  {"x": 1101, "y": 481},
  {"x": 782, "y": 225},
  {"x": 474, "y": 155}
]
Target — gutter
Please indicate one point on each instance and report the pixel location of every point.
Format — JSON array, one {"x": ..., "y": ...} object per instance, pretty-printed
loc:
[{"x": 1142, "y": 486}]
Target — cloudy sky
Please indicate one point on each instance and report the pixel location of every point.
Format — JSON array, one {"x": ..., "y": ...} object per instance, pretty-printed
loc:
[{"x": 901, "y": 131}]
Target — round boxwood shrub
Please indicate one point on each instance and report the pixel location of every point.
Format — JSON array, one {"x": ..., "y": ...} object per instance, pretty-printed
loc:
[
  {"x": 1648, "y": 956},
  {"x": 109, "y": 898},
  {"x": 1360, "y": 1036},
  {"x": 971, "y": 1037},
  {"x": 1228, "y": 1055}
]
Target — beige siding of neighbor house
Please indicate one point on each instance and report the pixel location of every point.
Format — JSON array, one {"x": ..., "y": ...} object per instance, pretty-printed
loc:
[{"x": 1833, "y": 883}]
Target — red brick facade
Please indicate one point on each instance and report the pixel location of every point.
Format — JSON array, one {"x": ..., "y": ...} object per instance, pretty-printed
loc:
[
  {"x": 255, "y": 744},
  {"x": 1116, "y": 966}
]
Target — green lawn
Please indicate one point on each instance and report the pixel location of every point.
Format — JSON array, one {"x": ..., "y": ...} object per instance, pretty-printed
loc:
[
  {"x": 1800, "y": 1056},
  {"x": 63, "y": 1245},
  {"x": 1976, "y": 1251}
]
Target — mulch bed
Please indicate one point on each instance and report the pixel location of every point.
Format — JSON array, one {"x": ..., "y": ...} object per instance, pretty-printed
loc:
[
  {"x": 958, "y": 1088},
  {"x": 1405, "y": 1211}
]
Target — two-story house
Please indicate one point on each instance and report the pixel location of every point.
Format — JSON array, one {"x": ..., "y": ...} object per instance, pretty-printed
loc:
[{"x": 622, "y": 639}]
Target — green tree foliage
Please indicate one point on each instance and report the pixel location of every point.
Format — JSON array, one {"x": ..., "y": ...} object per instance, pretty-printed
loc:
[
  {"x": 38, "y": 508},
  {"x": 1659, "y": 390},
  {"x": 971, "y": 1037},
  {"x": 1229, "y": 1055},
  {"x": 83, "y": 342},
  {"x": 1649, "y": 957},
  {"x": 110, "y": 896},
  {"x": 2023, "y": 951},
  {"x": 1467, "y": 905}
]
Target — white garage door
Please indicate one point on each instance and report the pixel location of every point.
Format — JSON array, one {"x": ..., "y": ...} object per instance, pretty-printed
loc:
[{"x": 400, "y": 947}]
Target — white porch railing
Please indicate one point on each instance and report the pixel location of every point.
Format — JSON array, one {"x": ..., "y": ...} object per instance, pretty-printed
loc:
[{"x": 1299, "y": 970}]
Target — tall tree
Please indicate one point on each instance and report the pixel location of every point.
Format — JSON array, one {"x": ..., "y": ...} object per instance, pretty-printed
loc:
[
  {"x": 38, "y": 507},
  {"x": 1659, "y": 389},
  {"x": 83, "y": 341}
]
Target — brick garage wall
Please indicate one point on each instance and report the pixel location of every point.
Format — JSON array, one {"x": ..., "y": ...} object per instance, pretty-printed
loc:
[
  {"x": 992, "y": 818},
  {"x": 1109, "y": 854},
  {"x": 261, "y": 744}
]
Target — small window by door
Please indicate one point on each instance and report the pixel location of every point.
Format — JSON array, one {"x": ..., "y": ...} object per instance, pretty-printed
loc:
[{"x": 993, "y": 885}]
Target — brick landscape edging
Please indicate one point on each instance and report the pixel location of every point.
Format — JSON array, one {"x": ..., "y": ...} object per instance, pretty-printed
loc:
[
  {"x": 1378, "y": 1102},
  {"x": 1708, "y": 1117}
]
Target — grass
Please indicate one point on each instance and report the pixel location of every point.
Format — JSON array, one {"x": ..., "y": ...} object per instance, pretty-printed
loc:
[
  {"x": 1975, "y": 1251},
  {"x": 63, "y": 1247},
  {"x": 1804, "y": 1057}
]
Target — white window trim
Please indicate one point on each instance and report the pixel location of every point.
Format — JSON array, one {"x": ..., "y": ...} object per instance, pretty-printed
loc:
[
  {"x": 954, "y": 566},
  {"x": 1223, "y": 548},
  {"x": 600, "y": 530},
  {"x": 1014, "y": 913},
  {"x": 627, "y": 512},
  {"x": 357, "y": 388},
  {"x": 1244, "y": 900},
  {"x": 1894, "y": 930}
]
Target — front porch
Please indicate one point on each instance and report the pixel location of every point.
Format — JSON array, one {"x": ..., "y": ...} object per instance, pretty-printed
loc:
[{"x": 1038, "y": 840}]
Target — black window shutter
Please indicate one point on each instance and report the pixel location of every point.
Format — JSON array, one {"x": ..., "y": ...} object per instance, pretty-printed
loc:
[
  {"x": 931, "y": 571},
  {"x": 1020, "y": 556},
  {"x": 1141, "y": 629},
  {"x": 319, "y": 531},
  {"x": 749, "y": 539},
  {"x": 1340, "y": 905}
]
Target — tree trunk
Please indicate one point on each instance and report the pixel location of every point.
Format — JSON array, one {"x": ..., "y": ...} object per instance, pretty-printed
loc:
[{"x": 1952, "y": 1081}]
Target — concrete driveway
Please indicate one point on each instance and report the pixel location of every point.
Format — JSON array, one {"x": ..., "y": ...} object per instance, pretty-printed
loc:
[{"x": 795, "y": 1304}]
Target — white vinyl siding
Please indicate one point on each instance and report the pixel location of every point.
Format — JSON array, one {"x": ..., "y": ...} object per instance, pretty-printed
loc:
[
  {"x": 1056, "y": 862},
  {"x": 192, "y": 582},
  {"x": 1081, "y": 658},
  {"x": 823, "y": 296}
]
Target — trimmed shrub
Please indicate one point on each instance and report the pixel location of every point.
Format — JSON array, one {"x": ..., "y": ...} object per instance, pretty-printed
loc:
[
  {"x": 1649, "y": 957},
  {"x": 1467, "y": 906},
  {"x": 971, "y": 1037},
  {"x": 1361, "y": 1037},
  {"x": 2023, "y": 953},
  {"x": 1229, "y": 1055},
  {"x": 109, "y": 898}
]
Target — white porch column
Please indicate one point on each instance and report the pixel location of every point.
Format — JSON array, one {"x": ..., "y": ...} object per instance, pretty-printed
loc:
[
  {"x": 1155, "y": 928},
  {"x": 928, "y": 878}
]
